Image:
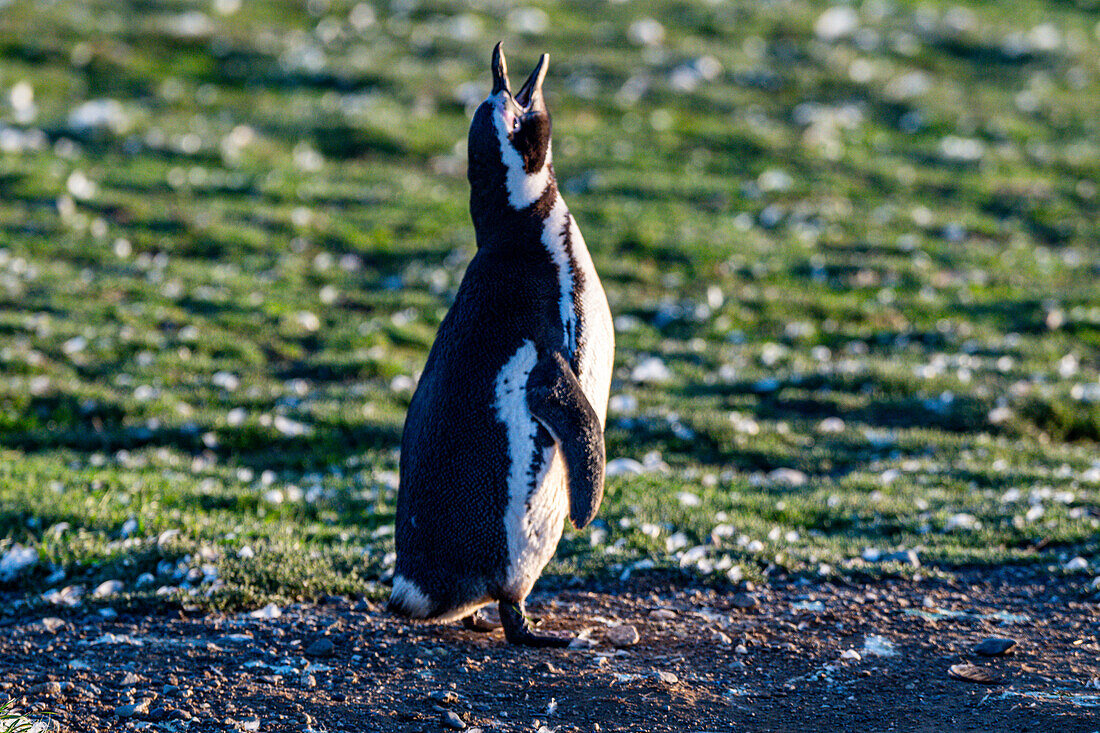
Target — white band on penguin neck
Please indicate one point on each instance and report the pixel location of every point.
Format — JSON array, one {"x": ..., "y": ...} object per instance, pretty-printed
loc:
[{"x": 523, "y": 188}]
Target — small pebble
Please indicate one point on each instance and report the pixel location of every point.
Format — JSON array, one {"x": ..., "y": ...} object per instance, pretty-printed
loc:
[
  {"x": 624, "y": 635},
  {"x": 444, "y": 697},
  {"x": 52, "y": 624},
  {"x": 993, "y": 646},
  {"x": 581, "y": 641},
  {"x": 129, "y": 711},
  {"x": 452, "y": 721},
  {"x": 663, "y": 614},
  {"x": 906, "y": 557},
  {"x": 45, "y": 689},
  {"x": 108, "y": 588},
  {"x": 743, "y": 600},
  {"x": 667, "y": 677},
  {"x": 322, "y": 647}
]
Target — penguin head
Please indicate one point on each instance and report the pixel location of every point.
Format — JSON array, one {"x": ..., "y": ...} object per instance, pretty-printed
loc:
[{"x": 509, "y": 141}]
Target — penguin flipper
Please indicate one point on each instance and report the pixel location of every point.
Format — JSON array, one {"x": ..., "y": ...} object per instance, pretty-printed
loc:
[{"x": 557, "y": 401}]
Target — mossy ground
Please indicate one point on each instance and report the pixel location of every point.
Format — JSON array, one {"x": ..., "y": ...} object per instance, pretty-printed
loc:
[{"x": 862, "y": 243}]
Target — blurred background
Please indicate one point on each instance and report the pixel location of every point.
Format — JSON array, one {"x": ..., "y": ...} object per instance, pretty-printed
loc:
[{"x": 852, "y": 253}]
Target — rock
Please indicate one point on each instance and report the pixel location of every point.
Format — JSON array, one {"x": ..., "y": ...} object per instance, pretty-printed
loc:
[
  {"x": 789, "y": 477},
  {"x": 45, "y": 689},
  {"x": 1076, "y": 564},
  {"x": 129, "y": 711},
  {"x": 624, "y": 467},
  {"x": 651, "y": 370},
  {"x": 667, "y": 677},
  {"x": 52, "y": 624},
  {"x": 663, "y": 614},
  {"x": 322, "y": 647},
  {"x": 270, "y": 611},
  {"x": 879, "y": 646},
  {"x": 158, "y": 714},
  {"x": 811, "y": 606},
  {"x": 624, "y": 635},
  {"x": 972, "y": 673},
  {"x": 743, "y": 600},
  {"x": 108, "y": 588},
  {"x": 851, "y": 654},
  {"x": 15, "y": 560},
  {"x": 907, "y": 557},
  {"x": 836, "y": 23},
  {"x": 444, "y": 697},
  {"x": 581, "y": 641},
  {"x": 993, "y": 646},
  {"x": 449, "y": 719},
  {"x": 961, "y": 521}
]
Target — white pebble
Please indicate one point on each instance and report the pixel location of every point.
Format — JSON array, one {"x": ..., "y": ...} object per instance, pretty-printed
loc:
[
  {"x": 836, "y": 23},
  {"x": 879, "y": 646},
  {"x": 651, "y": 370},
  {"x": 1077, "y": 563},
  {"x": 270, "y": 611},
  {"x": 108, "y": 588},
  {"x": 646, "y": 32},
  {"x": 17, "y": 559},
  {"x": 624, "y": 467}
]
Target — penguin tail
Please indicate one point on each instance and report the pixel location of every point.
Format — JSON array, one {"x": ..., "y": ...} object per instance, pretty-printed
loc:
[{"x": 409, "y": 600}]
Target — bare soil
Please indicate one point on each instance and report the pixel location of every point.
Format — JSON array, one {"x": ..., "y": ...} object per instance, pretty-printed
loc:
[{"x": 775, "y": 659}]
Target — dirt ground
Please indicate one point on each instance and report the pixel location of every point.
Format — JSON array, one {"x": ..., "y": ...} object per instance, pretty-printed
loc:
[{"x": 874, "y": 657}]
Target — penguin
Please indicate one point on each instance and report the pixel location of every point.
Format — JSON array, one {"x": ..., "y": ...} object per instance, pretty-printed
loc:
[{"x": 504, "y": 434}]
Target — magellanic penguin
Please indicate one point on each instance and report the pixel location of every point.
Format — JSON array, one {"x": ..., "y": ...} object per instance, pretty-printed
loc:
[{"x": 504, "y": 435}]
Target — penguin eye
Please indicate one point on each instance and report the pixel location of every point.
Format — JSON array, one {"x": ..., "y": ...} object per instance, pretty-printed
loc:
[{"x": 515, "y": 124}]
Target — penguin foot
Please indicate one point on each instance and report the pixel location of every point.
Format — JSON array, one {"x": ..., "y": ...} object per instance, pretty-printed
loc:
[
  {"x": 519, "y": 630},
  {"x": 477, "y": 621}
]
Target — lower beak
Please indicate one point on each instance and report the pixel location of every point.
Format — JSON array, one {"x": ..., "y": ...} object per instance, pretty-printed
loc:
[{"x": 529, "y": 95}]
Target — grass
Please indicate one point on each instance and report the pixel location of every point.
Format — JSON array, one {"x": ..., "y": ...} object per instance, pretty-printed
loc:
[
  {"x": 228, "y": 232},
  {"x": 13, "y": 722}
]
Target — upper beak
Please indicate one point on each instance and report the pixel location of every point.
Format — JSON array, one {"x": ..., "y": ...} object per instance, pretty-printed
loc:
[
  {"x": 500, "y": 70},
  {"x": 529, "y": 95}
]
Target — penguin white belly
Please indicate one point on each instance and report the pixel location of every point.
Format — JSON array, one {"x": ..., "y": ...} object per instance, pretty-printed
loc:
[{"x": 537, "y": 498}]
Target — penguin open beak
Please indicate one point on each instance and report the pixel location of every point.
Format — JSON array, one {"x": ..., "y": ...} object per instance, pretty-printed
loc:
[
  {"x": 500, "y": 70},
  {"x": 529, "y": 95}
]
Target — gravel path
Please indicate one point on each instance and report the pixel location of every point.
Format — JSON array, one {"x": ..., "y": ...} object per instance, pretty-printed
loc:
[{"x": 880, "y": 657}]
